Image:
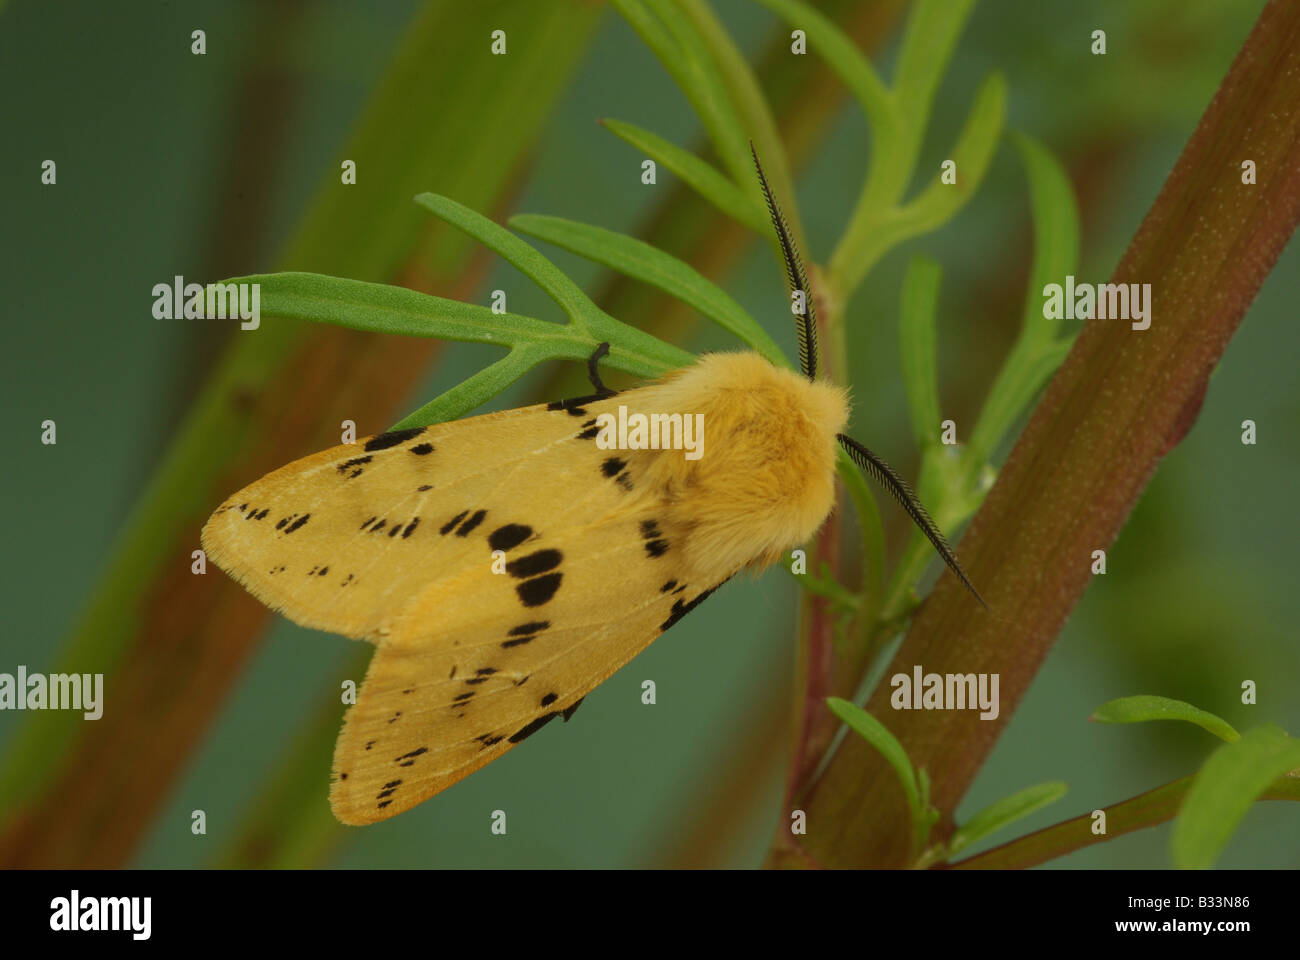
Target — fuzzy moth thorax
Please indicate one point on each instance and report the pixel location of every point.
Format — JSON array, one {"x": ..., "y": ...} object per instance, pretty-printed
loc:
[{"x": 764, "y": 478}]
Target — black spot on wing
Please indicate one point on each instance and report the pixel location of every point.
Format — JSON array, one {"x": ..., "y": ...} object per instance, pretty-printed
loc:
[
  {"x": 410, "y": 527},
  {"x": 468, "y": 526},
  {"x": 524, "y": 633},
  {"x": 422, "y": 449},
  {"x": 540, "y": 590},
  {"x": 656, "y": 548},
  {"x": 509, "y": 536},
  {"x": 408, "y": 759},
  {"x": 573, "y": 407},
  {"x": 297, "y": 523},
  {"x": 612, "y": 466},
  {"x": 450, "y": 524},
  {"x": 369, "y": 522},
  {"x": 423, "y": 487},
  {"x": 668, "y": 586},
  {"x": 549, "y": 699},
  {"x": 391, "y": 439},
  {"x": 589, "y": 434},
  {"x": 525, "y": 732},
  {"x": 682, "y": 609},
  {"x": 352, "y": 468},
  {"x": 534, "y": 563}
]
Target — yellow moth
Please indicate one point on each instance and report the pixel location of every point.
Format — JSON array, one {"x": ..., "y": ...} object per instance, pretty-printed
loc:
[{"x": 505, "y": 565}]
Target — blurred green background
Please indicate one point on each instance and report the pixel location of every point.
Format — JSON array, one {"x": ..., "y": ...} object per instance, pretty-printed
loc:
[{"x": 170, "y": 163}]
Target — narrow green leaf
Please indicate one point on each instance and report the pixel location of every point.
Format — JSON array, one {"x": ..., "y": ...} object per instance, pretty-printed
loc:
[
  {"x": 875, "y": 733},
  {"x": 1056, "y": 231},
  {"x": 700, "y": 77},
  {"x": 700, "y": 176},
  {"x": 650, "y": 30},
  {"x": 748, "y": 102},
  {"x": 1142, "y": 708},
  {"x": 529, "y": 262},
  {"x": 916, "y": 337},
  {"x": 827, "y": 40},
  {"x": 928, "y": 42},
  {"x": 396, "y": 310},
  {"x": 1231, "y": 779},
  {"x": 972, "y": 154},
  {"x": 825, "y": 585},
  {"x": 1023, "y": 374},
  {"x": 383, "y": 308},
  {"x": 929, "y": 815},
  {"x": 877, "y": 225},
  {"x": 1004, "y": 812},
  {"x": 646, "y": 263},
  {"x": 682, "y": 53},
  {"x": 923, "y": 788},
  {"x": 1036, "y": 354},
  {"x": 475, "y": 390}
]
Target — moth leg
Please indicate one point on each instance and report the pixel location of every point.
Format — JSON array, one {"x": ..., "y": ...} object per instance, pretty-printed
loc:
[
  {"x": 574, "y": 404},
  {"x": 593, "y": 374}
]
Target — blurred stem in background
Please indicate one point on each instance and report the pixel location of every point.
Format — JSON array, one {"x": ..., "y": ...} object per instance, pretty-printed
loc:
[{"x": 272, "y": 398}]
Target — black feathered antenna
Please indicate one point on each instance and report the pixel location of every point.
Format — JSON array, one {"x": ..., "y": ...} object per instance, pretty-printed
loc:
[
  {"x": 884, "y": 474},
  {"x": 805, "y": 324},
  {"x": 806, "y": 328}
]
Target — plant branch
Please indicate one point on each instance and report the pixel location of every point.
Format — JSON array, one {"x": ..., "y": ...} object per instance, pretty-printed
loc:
[
  {"x": 1137, "y": 813},
  {"x": 1123, "y": 399}
]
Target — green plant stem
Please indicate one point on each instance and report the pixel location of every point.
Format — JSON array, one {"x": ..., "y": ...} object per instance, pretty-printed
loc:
[
  {"x": 1137, "y": 813},
  {"x": 278, "y": 393}
]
